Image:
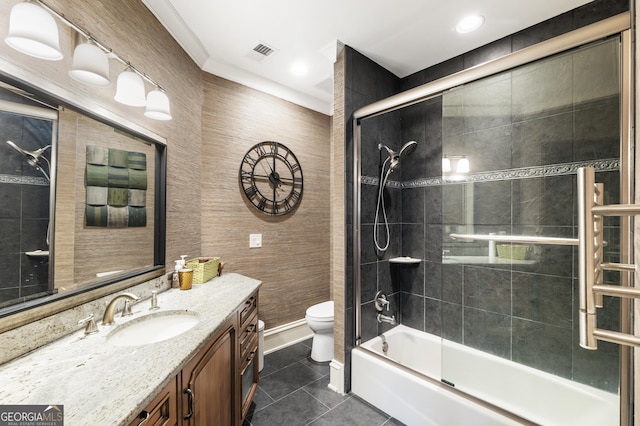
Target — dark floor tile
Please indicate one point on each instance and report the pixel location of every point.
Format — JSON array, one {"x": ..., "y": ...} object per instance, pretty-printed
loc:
[
  {"x": 261, "y": 400},
  {"x": 320, "y": 390},
  {"x": 352, "y": 412},
  {"x": 288, "y": 379},
  {"x": 322, "y": 368},
  {"x": 296, "y": 409},
  {"x": 284, "y": 357}
]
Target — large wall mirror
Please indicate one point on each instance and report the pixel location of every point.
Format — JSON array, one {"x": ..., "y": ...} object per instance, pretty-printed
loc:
[{"x": 82, "y": 201}]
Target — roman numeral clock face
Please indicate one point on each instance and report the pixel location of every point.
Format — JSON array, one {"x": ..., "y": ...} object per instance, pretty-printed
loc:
[{"x": 271, "y": 178}]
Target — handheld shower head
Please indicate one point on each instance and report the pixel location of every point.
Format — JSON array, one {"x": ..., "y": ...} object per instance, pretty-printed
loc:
[
  {"x": 408, "y": 148},
  {"x": 395, "y": 157},
  {"x": 32, "y": 157}
]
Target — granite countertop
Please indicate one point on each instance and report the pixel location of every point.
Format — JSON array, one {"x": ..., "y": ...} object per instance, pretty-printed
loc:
[{"x": 102, "y": 384}]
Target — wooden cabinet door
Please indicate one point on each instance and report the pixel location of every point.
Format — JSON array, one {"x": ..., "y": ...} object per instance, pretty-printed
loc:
[
  {"x": 209, "y": 384},
  {"x": 163, "y": 410}
]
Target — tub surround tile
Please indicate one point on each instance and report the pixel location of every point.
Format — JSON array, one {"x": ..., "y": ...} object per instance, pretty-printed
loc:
[
  {"x": 487, "y": 289},
  {"x": 542, "y": 346},
  {"x": 412, "y": 311},
  {"x": 433, "y": 316},
  {"x": 543, "y": 298},
  {"x": 94, "y": 394},
  {"x": 487, "y": 331},
  {"x": 451, "y": 321}
]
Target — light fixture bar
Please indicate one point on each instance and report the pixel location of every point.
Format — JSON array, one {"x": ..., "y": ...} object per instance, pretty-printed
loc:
[{"x": 107, "y": 50}]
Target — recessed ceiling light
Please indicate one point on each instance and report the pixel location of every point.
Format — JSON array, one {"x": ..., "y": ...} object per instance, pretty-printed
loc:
[
  {"x": 299, "y": 69},
  {"x": 469, "y": 23}
]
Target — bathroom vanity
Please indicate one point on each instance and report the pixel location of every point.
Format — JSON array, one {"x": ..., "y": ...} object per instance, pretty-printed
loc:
[{"x": 207, "y": 374}]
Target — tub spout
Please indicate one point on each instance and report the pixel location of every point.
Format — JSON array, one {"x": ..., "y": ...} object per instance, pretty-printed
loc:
[{"x": 385, "y": 318}]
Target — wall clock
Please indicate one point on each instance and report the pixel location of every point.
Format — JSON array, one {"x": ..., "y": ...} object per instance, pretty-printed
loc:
[{"x": 271, "y": 178}]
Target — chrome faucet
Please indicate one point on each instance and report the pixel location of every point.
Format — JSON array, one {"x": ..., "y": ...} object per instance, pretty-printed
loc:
[
  {"x": 388, "y": 319},
  {"x": 107, "y": 318}
]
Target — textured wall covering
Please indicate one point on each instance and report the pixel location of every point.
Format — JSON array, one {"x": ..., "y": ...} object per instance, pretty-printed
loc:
[{"x": 293, "y": 263}]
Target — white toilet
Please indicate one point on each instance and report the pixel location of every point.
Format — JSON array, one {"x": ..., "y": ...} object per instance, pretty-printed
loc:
[{"x": 320, "y": 320}]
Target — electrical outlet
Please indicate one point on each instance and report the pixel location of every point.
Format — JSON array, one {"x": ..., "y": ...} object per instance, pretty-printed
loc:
[{"x": 255, "y": 240}]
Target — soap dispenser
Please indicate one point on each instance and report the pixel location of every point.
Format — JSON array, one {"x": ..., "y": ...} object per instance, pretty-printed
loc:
[{"x": 175, "y": 283}]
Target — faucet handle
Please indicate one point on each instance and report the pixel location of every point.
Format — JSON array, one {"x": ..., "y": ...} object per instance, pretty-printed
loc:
[
  {"x": 90, "y": 323},
  {"x": 381, "y": 301},
  {"x": 154, "y": 300},
  {"x": 126, "y": 311}
]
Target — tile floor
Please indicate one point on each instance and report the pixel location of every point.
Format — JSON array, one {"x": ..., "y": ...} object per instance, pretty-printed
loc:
[{"x": 293, "y": 391}]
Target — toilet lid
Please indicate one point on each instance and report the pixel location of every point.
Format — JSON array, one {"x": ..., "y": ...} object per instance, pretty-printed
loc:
[{"x": 321, "y": 311}]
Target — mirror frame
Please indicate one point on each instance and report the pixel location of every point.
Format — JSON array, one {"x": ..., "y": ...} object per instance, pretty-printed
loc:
[{"x": 22, "y": 313}]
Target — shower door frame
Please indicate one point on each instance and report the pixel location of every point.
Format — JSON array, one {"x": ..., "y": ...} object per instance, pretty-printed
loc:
[{"x": 620, "y": 24}]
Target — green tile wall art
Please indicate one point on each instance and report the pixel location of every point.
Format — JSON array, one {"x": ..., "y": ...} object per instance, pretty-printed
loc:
[{"x": 116, "y": 188}]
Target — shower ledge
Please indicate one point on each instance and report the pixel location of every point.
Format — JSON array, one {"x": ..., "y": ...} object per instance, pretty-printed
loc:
[{"x": 404, "y": 259}]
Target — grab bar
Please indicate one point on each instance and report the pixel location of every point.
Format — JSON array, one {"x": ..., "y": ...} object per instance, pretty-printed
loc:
[
  {"x": 590, "y": 214},
  {"x": 558, "y": 241}
]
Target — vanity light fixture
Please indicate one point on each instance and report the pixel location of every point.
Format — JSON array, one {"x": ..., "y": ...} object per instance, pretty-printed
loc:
[
  {"x": 446, "y": 165},
  {"x": 90, "y": 65},
  {"x": 463, "y": 165},
  {"x": 158, "y": 105},
  {"x": 33, "y": 31},
  {"x": 469, "y": 23},
  {"x": 130, "y": 89},
  {"x": 453, "y": 166}
]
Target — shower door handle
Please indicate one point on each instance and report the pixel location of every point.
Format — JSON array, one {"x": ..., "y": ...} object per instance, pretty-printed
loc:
[{"x": 591, "y": 213}]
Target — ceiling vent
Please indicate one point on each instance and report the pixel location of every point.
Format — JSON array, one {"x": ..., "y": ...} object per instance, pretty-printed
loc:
[{"x": 261, "y": 51}]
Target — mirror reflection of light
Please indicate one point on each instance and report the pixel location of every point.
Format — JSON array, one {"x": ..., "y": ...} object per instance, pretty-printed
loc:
[
  {"x": 446, "y": 165},
  {"x": 463, "y": 165}
]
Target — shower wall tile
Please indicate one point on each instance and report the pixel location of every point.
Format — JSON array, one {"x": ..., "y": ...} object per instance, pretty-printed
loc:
[
  {"x": 10, "y": 236},
  {"x": 597, "y": 132},
  {"x": 35, "y": 201},
  {"x": 544, "y": 140},
  {"x": 413, "y": 240},
  {"x": 451, "y": 315},
  {"x": 598, "y": 10},
  {"x": 544, "y": 31},
  {"x": 487, "y": 289},
  {"x": 33, "y": 234},
  {"x": 413, "y": 312},
  {"x": 488, "y": 149},
  {"x": 10, "y": 205},
  {"x": 454, "y": 204},
  {"x": 433, "y": 279},
  {"x": 558, "y": 200},
  {"x": 542, "y": 346},
  {"x": 413, "y": 205},
  {"x": 487, "y": 331},
  {"x": 492, "y": 203},
  {"x": 452, "y": 281},
  {"x": 433, "y": 316},
  {"x": 368, "y": 200},
  {"x": 543, "y": 89},
  {"x": 11, "y": 294},
  {"x": 388, "y": 281},
  {"x": 598, "y": 368},
  {"x": 369, "y": 324},
  {"x": 34, "y": 271},
  {"x": 543, "y": 298},
  {"x": 394, "y": 310},
  {"x": 368, "y": 281},
  {"x": 435, "y": 72},
  {"x": 11, "y": 274},
  {"x": 487, "y": 52},
  {"x": 433, "y": 243},
  {"x": 412, "y": 277},
  {"x": 433, "y": 204},
  {"x": 527, "y": 201},
  {"x": 487, "y": 103}
]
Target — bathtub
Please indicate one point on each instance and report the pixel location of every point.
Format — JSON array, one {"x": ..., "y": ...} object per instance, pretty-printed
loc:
[{"x": 524, "y": 395}]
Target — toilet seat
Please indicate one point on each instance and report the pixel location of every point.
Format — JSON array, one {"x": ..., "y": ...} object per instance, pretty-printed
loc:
[{"x": 321, "y": 312}]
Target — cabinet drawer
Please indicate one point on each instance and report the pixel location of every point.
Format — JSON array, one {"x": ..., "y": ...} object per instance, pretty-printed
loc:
[
  {"x": 250, "y": 306},
  {"x": 162, "y": 411}
]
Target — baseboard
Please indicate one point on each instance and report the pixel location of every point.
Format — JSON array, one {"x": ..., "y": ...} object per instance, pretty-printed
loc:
[
  {"x": 336, "y": 376},
  {"x": 286, "y": 335}
]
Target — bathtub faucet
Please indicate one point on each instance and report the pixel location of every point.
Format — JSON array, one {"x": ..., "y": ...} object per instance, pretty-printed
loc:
[{"x": 388, "y": 319}]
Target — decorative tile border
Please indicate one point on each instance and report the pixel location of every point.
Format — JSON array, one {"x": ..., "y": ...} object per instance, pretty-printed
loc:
[
  {"x": 499, "y": 175},
  {"x": 23, "y": 180}
]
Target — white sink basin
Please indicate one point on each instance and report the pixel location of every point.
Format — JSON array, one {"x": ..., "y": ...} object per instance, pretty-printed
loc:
[{"x": 153, "y": 328}]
